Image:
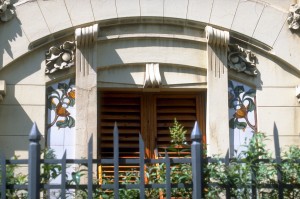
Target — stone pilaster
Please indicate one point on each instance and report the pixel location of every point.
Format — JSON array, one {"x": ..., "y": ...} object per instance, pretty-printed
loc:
[
  {"x": 86, "y": 89},
  {"x": 217, "y": 92}
]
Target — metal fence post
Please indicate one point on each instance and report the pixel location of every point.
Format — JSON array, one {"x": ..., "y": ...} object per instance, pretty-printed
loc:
[
  {"x": 116, "y": 161},
  {"x": 34, "y": 163},
  {"x": 196, "y": 161}
]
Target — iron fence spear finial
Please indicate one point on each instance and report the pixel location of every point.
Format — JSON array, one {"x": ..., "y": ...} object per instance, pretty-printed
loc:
[
  {"x": 196, "y": 150},
  {"x": 34, "y": 163}
]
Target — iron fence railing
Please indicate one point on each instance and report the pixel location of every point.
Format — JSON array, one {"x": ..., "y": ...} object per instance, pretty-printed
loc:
[
  {"x": 34, "y": 186},
  {"x": 197, "y": 160}
]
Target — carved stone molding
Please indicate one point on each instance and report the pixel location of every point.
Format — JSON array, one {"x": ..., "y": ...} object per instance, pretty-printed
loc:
[
  {"x": 294, "y": 17},
  {"x": 298, "y": 92},
  {"x": 6, "y": 10},
  {"x": 242, "y": 60},
  {"x": 62, "y": 57},
  {"x": 2, "y": 89},
  {"x": 152, "y": 76}
]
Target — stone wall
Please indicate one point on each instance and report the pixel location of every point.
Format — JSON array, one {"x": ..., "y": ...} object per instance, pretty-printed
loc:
[{"x": 134, "y": 33}]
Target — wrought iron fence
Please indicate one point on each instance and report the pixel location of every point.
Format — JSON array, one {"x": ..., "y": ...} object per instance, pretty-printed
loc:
[{"x": 34, "y": 186}]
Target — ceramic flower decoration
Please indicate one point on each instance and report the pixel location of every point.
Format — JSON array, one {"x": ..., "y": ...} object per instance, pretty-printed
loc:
[
  {"x": 59, "y": 100},
  {"x": 242, "y": 101}
]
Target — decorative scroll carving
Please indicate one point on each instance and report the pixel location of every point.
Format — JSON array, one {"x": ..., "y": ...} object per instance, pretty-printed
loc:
[
  {"x": 152, "y": 76},
  {"x": 294, "y": 17},
  {"x": 6, "y": 11},
  {"x": 217, "y": 42},
  {"x": 58, "y": 58},
  {"x": 216, "y": 37},
  {"x": 2, "y": 89},
  {"x": 86, "y": 39},
  {"x": 242, "y": 60}
]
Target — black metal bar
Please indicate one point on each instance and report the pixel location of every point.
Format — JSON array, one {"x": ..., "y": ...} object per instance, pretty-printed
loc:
[
  {"x": 116, "y": 161},
  {"x": 3, "y": 178},
  {"x": 253, "y": 182},
  {"x": 196, "y": 161},
  {"x": 34, "y": 163},
  {"x": 63, "y": 176},
  {"x": 168, "y": 176},
  {"x": 90, "y": 168},
  {"x": 142, "y": 166},
  {"x": 23, "y": 161},
  {"x": 227, "y": 187}
]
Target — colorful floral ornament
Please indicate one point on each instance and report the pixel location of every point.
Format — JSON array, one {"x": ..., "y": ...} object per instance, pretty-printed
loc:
[
  {"x": 242, "y": 102},
  {"x": 59, "y": 101}
]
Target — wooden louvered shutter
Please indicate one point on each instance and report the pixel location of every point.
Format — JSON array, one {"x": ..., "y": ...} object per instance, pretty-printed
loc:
[
  {"x": 125, "y": 109},
  {"x": 186, "y": 109},
  {"x": 149, "y": 113}
]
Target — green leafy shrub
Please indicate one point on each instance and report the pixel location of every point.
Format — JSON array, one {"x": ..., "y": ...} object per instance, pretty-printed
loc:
[
  {"x": 13, "y": 177},
  {"x": 291, "y": 171},
  {"x": 177, "y": 133}
]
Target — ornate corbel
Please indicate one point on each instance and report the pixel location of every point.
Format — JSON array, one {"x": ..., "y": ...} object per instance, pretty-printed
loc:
[
  {"x": 242, "y": 60},
  {"x": 152, "y": 76},
  {"x": 217, "y": 41},
  {"x": 62, "y": 57},
  {"x": 2, "y": 89},
  {"x": 294, "y": 17},
  {"x": 6, "y": 10}
]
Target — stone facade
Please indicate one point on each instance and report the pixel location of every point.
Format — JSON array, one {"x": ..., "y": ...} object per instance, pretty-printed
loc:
[{"x": 150, "y": 46}]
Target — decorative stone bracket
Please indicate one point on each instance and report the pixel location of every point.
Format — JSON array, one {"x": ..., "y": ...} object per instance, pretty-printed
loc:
[
  {"x": 62, "y": 57},
  {"x": 2, "y": 89},
  {"x": 6, "y": 11},
  {"x": 152, "y": 76},
  {"x": 242, "y": 60},
  {"x": 294, "y": 17}
]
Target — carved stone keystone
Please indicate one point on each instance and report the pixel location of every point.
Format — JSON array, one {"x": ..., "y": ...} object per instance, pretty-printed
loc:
[
  {"x": 242, "y": 60},
  {"x": 62, "y": 57},
  {"x": 152, "y": 76}
]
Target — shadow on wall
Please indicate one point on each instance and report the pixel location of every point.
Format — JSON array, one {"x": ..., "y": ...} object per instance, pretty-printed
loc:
[
  {"x": 23, "y": 103},
  {"x": 276, "y": 142},
  {"x": 9, "y": 32}
]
